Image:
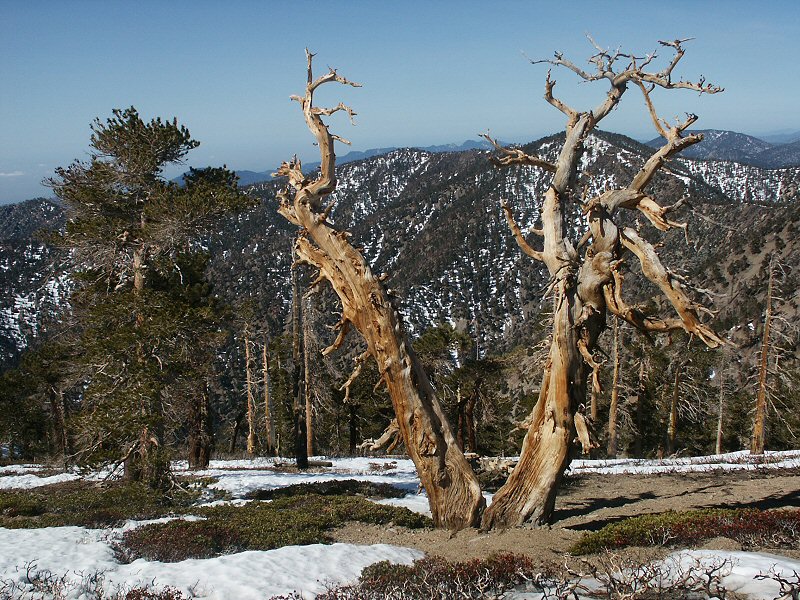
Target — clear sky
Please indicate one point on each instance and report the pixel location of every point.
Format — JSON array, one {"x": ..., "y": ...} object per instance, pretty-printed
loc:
[{"x": 434, "y": 72}]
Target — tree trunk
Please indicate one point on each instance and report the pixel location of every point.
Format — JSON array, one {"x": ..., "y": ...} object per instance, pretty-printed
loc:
[
  {"x": 352, "y": 423},
  {"x": 720, "y": 412},
  {"x": 757, "y": 443},
  {"x": 251, "y": 402},
  {"x": 201, "y": 434},
  {"x": 469, "y": 416},
  {"x": 59, "y": 427},
  {"x": 672, "y": 429},
  {"x": 307, "y": 383},
  {"x": 298, "y": 412},
  {"x": 453, "y": 490},
  {"x": 144, "y": 462},
  {"x": 640, "y": 390},
  {"x": 530, "y": 492},
  {"x": 237, "y": 427},
  {"x": 613, "y": 406},
  {"x": 269, "y": 420}
]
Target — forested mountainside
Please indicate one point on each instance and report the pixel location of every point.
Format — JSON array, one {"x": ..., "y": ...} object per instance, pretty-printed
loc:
[{"x": 432, "y": 222}]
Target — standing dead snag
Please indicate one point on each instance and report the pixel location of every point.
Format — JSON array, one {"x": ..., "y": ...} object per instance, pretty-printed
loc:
[
  {"x": 453, "y": 491},
  {"x": 585, "y": 273}
]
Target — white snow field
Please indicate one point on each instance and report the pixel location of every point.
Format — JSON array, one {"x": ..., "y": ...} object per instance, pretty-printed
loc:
[{"x": 78, "y": 554}]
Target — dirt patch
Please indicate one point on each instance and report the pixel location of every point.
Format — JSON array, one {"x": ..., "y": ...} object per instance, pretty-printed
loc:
[{"x": 589, "y": 502}]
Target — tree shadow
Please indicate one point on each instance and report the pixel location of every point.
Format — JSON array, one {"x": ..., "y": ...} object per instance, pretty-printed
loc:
[
  {"x": 583, "y": 508},
  {"x": 787, "y": 500}
]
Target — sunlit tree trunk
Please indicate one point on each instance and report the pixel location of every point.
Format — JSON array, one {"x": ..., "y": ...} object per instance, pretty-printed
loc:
[
  {"x": 757, "y": 444},
  {"x": 613, "y": 406},
  {"x": 269, "y": 421},
  {"x": 251, "y": 401}
]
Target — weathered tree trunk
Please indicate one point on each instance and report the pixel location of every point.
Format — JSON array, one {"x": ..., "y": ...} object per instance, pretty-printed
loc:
[
  {"x": 469, "y": 414},
  {"x": 201, "y": 434},
  {"x": 614, "y": 404},
  {"x": 251, "y": 401},
  {"x": 720, "y": 411},
  {"x": 760, "y": 416},
  {"x": 298, "y": 412},
  {"x": 672, "y": 429},
  {"x": 641, "y": 389},
  {"x": 530, "y": 492},
  {"x": 352, "y": 427},
  {"x": 59, "y": 426},
  {"x": 237, "y": 427},
  {"x": 269, "y": 420},
  {"x": 307, "y": 383},
  {"x": 585, "y": 278},
  {"x": 453, "y": 490}
]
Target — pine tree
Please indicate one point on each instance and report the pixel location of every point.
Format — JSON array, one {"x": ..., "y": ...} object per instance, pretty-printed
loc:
[{"x": 129, "y": 229}]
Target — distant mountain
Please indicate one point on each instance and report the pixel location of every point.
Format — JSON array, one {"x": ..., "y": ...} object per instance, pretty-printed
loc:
[
  {"x": 741, "y": 148},
  {"x": 783, "y": 137},
  {"x": 722, "y": 145},
  {"x": 783, "y": 155},
  {"x": 250, "y": 177}
]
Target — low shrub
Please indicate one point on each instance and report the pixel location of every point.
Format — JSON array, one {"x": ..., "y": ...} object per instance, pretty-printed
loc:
[
  {"x": 86, "y": 504},
  {"x": 749, "y": 527},
  {"x": 295, "y": 520},
  {"x": 436, "y": 578},
  {"x": 336, "y": 487}
]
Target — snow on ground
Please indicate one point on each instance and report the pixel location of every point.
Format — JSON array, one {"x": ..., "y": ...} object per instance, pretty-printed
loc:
[
  {"x": 733, "y": 461},
  {"x": 745, "y": 566},
  {"x": 80, "y": 552},
  {"x": 31, "y": 480}
]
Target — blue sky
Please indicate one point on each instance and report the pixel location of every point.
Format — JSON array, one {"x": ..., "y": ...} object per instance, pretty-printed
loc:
[{"x": 433, "y": 72}]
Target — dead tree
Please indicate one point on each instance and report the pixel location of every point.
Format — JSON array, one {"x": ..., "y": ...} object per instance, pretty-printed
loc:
[
  {"x": 269, "y": 418},
  {"x": 251, "y": 402},
  {"x": 760, "y": 416},
  {"x": 585, "y": 271},
  {"x": 453, "y": 490},
  {"x": 614, "y": 405}
]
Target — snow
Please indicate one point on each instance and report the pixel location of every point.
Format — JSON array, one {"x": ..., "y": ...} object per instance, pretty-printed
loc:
[
  {"x": 732, "y": 461},
  {"x": 30, "y": 480},
  {"x": 744, "y": 568},
  {"x": 78, "y": 554}
]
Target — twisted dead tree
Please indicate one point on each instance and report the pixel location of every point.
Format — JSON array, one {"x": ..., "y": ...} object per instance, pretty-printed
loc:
[
  {"x": 584, "y": 270},
  {"x": 453, "y": 490}
]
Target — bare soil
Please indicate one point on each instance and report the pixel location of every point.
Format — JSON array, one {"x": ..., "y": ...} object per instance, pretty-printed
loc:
[{"x": 589, "y": 502}]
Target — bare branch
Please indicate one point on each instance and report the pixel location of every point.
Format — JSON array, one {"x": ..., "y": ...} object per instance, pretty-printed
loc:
[
  {"x": 549, "y": 84},
  {"x": 343, "y": 326},
  {"x": 654, "y": 270},
  {"x": 518, "y": 235},
  {"x": 359, "y": 360},
  {"x": 515, "y": 156}
]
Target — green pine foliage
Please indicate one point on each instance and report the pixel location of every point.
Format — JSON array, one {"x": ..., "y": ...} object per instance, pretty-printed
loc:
[{"x": 147, "y": 324}]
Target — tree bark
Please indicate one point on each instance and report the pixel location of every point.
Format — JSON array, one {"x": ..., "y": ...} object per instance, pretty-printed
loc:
[
  {"x": 613, "y": 406},
  {"x": 307, "y": 383},
  {"x": 269, "y": 420},
  {"x": 251, "y": 402},
  {"x": 201, "y": 434},
  {"x": 672, "y": 429},
  {"x": 298, "y": 412},
  {"x": 760, "y": 416},
  {"x": 453, "y": 490},
  {"x": 585, "y": 279},
  {"x": 720, "y": 411}
]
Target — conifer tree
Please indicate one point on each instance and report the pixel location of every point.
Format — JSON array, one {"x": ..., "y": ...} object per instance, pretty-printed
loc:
[{"x": 127, "y": 226}]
